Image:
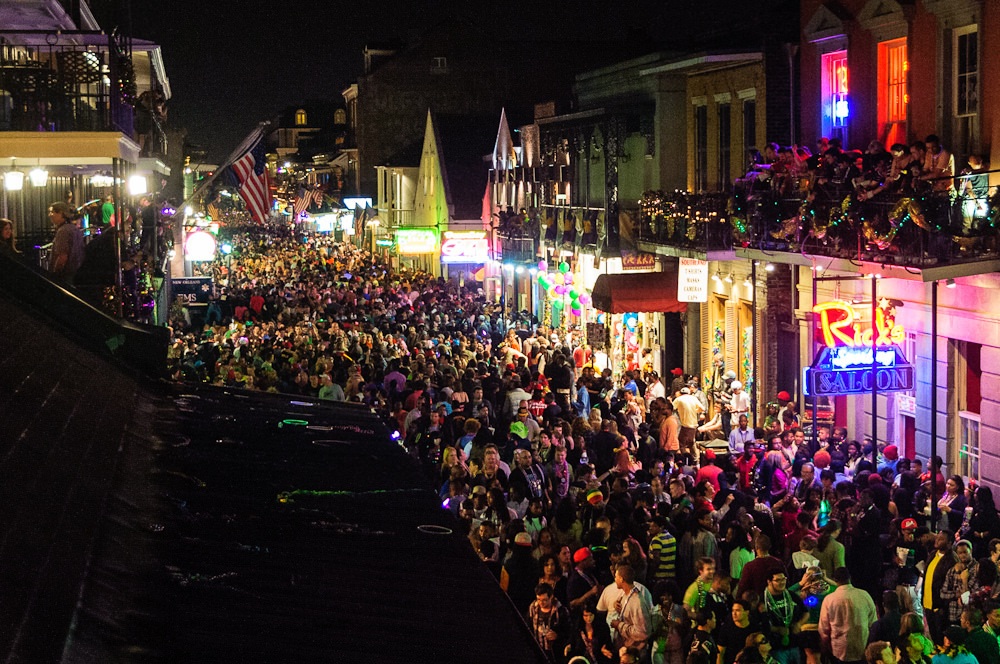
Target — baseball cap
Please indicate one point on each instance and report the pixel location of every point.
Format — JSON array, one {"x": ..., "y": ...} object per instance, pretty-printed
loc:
[
  {"x": 522, "y": 539},
  {"x": 581, "y": 554},
  {"x": 908, "y": 524},
  {"x": 479, "y": 490},
  {"x": 710, "y": 455},
  {"x": 518, "y": 429},
  {"x": 736, "y": 385}
]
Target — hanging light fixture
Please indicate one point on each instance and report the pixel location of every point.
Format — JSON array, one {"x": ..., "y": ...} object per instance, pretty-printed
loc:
[
  {"x": 137, "y": 185},
  {"x": 13, "y": 180},
  {"x": 39, "y": 176}
]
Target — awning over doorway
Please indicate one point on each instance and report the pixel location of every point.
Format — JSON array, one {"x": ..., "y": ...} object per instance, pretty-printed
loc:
[{"x": 640, "y": 292}]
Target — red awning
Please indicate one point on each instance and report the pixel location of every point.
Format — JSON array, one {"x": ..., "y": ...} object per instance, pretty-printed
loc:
[{"x": 640, "y": 292}]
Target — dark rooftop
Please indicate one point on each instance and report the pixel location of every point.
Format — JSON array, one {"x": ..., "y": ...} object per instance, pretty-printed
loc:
[{"x": 151, "y": 522}]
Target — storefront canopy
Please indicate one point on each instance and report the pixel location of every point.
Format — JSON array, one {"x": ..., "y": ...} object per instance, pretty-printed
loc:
[{"x": 641, "y": 292}]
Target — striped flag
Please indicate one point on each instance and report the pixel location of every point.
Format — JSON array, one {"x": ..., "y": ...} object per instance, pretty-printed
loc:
[{"x": 249, "y": 173}]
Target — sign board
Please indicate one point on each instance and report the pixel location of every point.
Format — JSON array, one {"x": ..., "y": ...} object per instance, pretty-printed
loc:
[
  {"x": 597, "y": 335},
  {"x": 464, "y": 247},
  {"x": 906, "y": 404},
  {"x": 692, "y": 280},
  {"x": 632, "y": 260},
  {"x": 193, "y": 290},
  {"x": 410, "y": 241},
  {"x": 848, "y": 370}
]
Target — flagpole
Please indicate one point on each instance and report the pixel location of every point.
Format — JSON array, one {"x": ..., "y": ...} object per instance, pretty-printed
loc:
[{"x": 247, "y": 142}]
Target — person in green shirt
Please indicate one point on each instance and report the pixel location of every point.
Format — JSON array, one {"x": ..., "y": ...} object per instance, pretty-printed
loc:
[{"x": 697, "y": 593}]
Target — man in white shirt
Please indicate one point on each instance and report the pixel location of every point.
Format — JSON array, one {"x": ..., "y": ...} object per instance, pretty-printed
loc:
[
  {"x": 740, "y": 402},
  {"x": 688, "y": 409}
]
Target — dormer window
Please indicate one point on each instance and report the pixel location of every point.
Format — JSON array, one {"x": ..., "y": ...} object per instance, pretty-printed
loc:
[
  {"x": 300, "y": 118},
  {"x": 340, "y": 117},
  {"x": 439, "y": 65}
]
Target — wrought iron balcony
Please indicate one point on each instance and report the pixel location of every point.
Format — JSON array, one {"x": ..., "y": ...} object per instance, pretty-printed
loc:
[
  {"x": 684, "y": 220},
  {"x": 519, "y": 243},
  {"x": 77, "y": 88},
  {"x": 913, "y": 231}
]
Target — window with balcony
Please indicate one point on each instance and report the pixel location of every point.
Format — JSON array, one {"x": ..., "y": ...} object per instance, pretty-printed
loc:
[
  {"x": 836, "y": 101},
  {"x": 966, "y": 71},
  {"x": 700, "y": 147},
  {"x": 967, "y": 395},
  {"x": 892, "y": 96},
  {"x": 725, "y": 138}
]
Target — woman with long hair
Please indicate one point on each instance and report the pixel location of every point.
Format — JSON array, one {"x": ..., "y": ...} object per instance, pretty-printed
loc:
[
  {"x": 984, "y": 524},
  {"x": 633, "y": 555},
  {"x": 552, "y": 575},
  {"x": 757, "y": 650},
  {"x": 7, "y": 244},
  {"x": 566, "y": 525},
  {"x": 591, "y": 637},
  {"x": 952, "y": 504}
]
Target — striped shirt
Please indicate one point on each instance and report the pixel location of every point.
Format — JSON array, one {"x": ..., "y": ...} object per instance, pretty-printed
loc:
[{"x": 665, "y": 546}]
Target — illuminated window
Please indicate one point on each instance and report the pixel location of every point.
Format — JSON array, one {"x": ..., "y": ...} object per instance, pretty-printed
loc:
[
  {"x": 725, "y": 138},
  {"x": 340, "y": 117},
  {"x": 700, "y": 147},
  {"x": 300, "y": 118},
  {"x": 892, "y": 96},
  {"x": 836, "y": 101},
  {"x": 966, "y": 71}
]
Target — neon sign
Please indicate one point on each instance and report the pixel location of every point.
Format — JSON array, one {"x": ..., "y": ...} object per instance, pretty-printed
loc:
[
  {"x": 840, "y": 325},
  {"x": 464, "y": 247},
  {"x": 416, "y": 241},
  {"x": 856, "y": 358}
]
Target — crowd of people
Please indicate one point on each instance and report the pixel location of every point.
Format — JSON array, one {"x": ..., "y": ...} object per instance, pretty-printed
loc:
[{"x": 629, "y": 518}]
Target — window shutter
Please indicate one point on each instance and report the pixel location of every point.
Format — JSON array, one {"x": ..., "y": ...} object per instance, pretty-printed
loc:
[
  {"x": 732, "y": 338},
  {"x": 706, "y": 339}
]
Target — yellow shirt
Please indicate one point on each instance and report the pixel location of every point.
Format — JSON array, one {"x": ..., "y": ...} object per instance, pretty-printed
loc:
[{"x": 929, "y": 581}]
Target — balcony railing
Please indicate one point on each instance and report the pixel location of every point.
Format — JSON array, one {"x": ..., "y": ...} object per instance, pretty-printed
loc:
[
  {"x": 915, "y": 231},
  {"x": 73, "y": 88},
  {"x": 685, "y": 220},
  {"x": 919, "y": 231}
]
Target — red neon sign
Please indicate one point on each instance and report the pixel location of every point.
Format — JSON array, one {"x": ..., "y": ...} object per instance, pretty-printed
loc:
[{"x": 840, "y": 325}]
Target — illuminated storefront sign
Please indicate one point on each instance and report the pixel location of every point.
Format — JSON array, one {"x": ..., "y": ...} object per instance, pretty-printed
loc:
[
  {"x": 464, "y": 247},
  {"x": 692, "y": 280},
  {"x": 856, "y": 358},
  {"x": 841, "y": 326},
  {"x": 416, "y": 241}
]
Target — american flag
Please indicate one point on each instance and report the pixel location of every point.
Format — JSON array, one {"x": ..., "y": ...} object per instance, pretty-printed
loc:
[
  {"x": 250, "y": 175},
  {"x": 305, "y": 200}
]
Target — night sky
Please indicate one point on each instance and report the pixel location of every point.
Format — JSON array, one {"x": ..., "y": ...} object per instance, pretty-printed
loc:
[{"x": 233, "y": 63}]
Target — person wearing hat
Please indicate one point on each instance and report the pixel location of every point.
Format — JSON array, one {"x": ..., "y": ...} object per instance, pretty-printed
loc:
[
  {"x": 953, "y": 650},
  {"x": 890, "y": 457},
  {"x": 582, "y": 584},
  {"x": 688, "y": 410},
  {"x": 520, "y": 573},
  {"x": 678, "y": 382},
  {"x": 959, "y": 579}
]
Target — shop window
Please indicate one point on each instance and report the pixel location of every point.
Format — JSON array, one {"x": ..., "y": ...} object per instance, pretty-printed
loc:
[
  {"x": 836, "y": 101},
  {"x": 892, "y": 96},
  {"x": 725, "y": 138},
  {"x": 300, "y": 118},
  {"x": 700, "y": 148}
]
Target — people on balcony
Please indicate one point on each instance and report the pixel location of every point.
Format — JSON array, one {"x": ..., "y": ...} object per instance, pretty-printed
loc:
[
  {"x": 67, "y": 247},
  {"x": 8, "y": 246},
  {"x": 975, "y": 191},
  {"x": 939, "y": 166}
]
